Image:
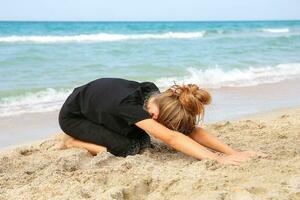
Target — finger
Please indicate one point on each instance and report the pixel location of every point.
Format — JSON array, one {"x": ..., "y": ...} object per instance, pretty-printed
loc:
[
  {"x": 245, "y": 158},
  {"x": 242, "y": 154},
  {"x": 240, "y": 158},
  {"x": 234, "y": 163},
  {"x": 235, "y": 160},
  {"x": 250, "y": 153},
  {"x": 263, "y": 155}
]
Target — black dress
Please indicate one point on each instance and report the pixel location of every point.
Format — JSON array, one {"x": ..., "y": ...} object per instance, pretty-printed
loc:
[{"x": 105, "y": 111}]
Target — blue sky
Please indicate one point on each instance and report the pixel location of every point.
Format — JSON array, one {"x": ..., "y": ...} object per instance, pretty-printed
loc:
[{"x": 150, "y": 10}]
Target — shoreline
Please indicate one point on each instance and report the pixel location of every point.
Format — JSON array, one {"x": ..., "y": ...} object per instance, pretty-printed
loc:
[
  {"x": 228, "y": 104},
  {"x": 267, "y": 115},
  {"x": 263, "y": 115},
  {"x": 241, "y": 94}
]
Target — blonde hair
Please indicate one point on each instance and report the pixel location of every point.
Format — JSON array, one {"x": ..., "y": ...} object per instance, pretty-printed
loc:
[{"x": 181, "y": 107}]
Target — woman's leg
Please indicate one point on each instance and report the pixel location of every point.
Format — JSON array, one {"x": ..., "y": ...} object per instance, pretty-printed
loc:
[
  {"x": 95, "y": 138},
  {"x": 94, "y": 149}
]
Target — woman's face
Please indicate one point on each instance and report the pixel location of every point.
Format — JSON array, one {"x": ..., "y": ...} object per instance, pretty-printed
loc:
[{"x": 152, "y": 108}]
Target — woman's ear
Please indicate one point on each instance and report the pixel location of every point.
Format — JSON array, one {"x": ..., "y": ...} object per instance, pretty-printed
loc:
[
  {"x": 155, "y": 112},
  {"x": 155, "y": 116},
  {"x": 153, "y": 109}
]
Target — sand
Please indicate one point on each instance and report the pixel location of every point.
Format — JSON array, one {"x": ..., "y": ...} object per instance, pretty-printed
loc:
[{"x": 42, "y": 170}]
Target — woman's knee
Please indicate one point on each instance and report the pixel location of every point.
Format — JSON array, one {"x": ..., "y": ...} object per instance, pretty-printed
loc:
[
  {"x": 62, "y": 120},
  {"x": 68, "y": 124}
]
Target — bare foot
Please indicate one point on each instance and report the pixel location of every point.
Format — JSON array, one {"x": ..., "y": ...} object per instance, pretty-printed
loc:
[{"x": 67, "y": 142}]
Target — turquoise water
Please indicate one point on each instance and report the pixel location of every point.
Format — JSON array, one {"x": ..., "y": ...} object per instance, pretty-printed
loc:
[{"x": 40, "y": 62}]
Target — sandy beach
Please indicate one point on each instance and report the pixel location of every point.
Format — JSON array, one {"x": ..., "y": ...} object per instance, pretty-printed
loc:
[
  {"x": 244, "y": 54},
  {"x": 42, "y": 170}
]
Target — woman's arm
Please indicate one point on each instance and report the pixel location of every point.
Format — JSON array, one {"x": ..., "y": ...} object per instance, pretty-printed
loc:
[
  {"x": 176, "y": 139},
  {"x": 210, "y": 141},
  {"x": 183, "y": 143}
]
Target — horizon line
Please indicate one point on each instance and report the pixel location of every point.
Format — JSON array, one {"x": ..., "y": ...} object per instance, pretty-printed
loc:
[{"x": 247, "y": 20}]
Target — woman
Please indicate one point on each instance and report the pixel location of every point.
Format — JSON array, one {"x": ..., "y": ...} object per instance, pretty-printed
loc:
[{"x": 116, "y": 115}]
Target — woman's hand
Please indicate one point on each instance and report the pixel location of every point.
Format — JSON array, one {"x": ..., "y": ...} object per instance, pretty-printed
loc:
[
  {"x": 231, "y": 159},
  {"x": 238, "y": 157},
  {"x": 248, "y": 154}
]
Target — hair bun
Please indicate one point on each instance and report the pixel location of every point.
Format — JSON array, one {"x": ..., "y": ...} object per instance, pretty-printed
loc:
[{"x": 191, "y": 97}]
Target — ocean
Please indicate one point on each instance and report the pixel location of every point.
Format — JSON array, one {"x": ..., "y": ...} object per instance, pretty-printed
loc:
[{"x": 41, "y": 62}]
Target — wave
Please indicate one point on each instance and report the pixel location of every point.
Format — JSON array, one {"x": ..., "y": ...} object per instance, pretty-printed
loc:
[
  {"x": 277, "y": 30},
  {"x": 101, "y": 37},
  {"x": 42, "y": 101},
  {"x": 52, "y": 99},
  {"x": 107, "y": 37},
  {"x": 217, "y": 77}
]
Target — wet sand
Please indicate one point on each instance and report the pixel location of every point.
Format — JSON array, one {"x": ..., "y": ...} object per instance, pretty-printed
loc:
[{"x": 42, "y": 170}]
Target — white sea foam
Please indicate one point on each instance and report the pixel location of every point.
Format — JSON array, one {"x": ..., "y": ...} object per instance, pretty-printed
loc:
[
  {"x": 42, "y": 101},
  {"x": 101, "y": 37},
  {"x": 108, "y": 37},
  {"x": 51, "y": 99},
  {"x": 217, "y": 77},
  {"x": 276, "y": 30}
]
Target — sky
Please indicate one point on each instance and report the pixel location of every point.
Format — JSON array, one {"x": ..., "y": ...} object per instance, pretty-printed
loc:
[{"x": 148, "y": 10}]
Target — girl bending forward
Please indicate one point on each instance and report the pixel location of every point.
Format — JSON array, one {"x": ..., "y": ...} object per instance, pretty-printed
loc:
[{"x": 116, "y": 115}]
